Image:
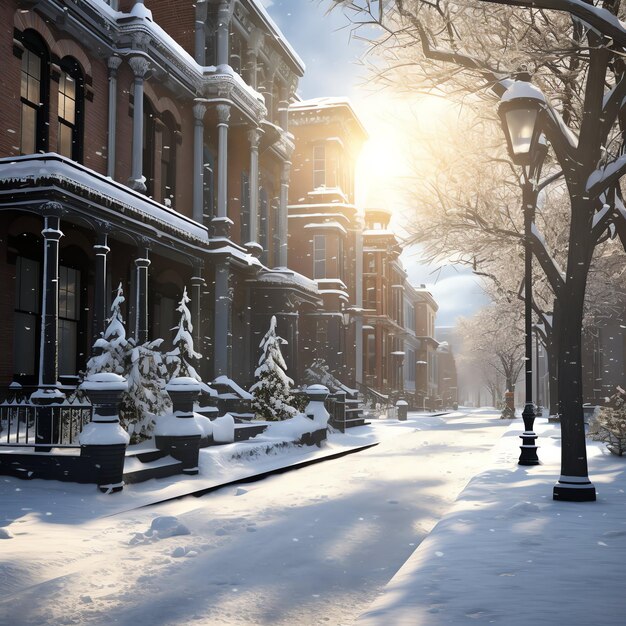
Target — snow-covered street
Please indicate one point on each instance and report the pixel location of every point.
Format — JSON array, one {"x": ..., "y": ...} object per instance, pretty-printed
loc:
[{"x": 312, "y": 546}]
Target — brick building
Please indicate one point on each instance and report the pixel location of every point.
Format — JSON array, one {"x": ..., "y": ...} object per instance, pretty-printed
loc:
[{"x": 147, "y": 145}]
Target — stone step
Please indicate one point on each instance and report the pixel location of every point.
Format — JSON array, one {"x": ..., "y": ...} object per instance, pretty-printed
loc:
[
  {"x": 136, "y": 471},
  {"x": 146, "y": 455}
]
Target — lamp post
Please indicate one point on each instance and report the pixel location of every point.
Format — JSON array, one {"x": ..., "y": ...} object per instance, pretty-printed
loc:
[{"x": 520, "y": 109}]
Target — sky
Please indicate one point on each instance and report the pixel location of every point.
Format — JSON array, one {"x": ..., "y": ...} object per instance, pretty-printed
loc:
[{"x": 334, "y": 67}]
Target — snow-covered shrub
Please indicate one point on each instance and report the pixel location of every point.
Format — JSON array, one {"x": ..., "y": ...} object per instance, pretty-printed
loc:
[
  {"x": 609, "y": 423},
  {"x": 146, "y": 395},
  {"x": 141, "y": 365},
  {"x": 272, "y": 390},
  {"x": 180, "y": 360}
]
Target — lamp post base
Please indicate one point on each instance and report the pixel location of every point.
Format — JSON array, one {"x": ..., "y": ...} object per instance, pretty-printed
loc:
[
  {"x": 574, "y": 489},
  {"x": 528, "y": 454}
]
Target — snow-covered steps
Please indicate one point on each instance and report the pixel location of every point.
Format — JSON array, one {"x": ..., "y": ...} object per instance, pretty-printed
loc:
[{"x": 147, "y": 463}]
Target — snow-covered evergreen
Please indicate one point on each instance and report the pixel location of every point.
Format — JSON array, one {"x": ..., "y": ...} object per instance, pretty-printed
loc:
[
  {"x": 180, "y": 360},
  {"x": 142, "y": 366},
  {"x": 272, "y": 390},
  {"x": 110, "y": 350}
]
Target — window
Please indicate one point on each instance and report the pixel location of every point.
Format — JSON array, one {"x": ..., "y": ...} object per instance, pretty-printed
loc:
[
  {"x": 245, "y": 207},
  {"x": 319, "y": 256},
  {"x": 168, "y": 160},
  {"x": 319, "y": 166},
  {"x": 370, "y": 292},
  {"x": 340, "y": 259},
  {"x": 27, "y": 319},
  {"x": 149, "y": 128},
  {"x": 69, "y": 317},
  {"x": 70, "y": 135},
  {"x": 34, "y": 95}
]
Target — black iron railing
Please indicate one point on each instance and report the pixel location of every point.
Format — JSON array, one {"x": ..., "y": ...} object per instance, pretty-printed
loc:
[{"x": 24, "y": 423}]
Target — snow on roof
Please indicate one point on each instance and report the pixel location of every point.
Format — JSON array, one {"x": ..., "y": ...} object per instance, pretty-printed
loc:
[
  {"x": 331, "y": 281},
  {"x": 227, "y": 382},
  {"x": 379, "y": 232},
  {"x": 285, "y": 276},
  {"x": 331, "y": 225},
  {"x": 327, "y": 102},
  {"x": 32, "y": 168},
  {"x": 315, "y": 215},
  {"x": 257, "y": 5}
]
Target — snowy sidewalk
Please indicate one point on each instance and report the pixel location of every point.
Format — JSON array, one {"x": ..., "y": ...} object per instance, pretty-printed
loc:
[
  {"x": 308, "y": 547},
  {"x": 508, "y": 554}
]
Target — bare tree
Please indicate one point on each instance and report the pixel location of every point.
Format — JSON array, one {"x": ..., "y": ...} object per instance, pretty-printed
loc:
[{"x": 574, "y": 50}]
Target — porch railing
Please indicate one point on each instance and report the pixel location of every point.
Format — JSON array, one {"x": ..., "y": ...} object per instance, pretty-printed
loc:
[{"x": 24, "y": 423}]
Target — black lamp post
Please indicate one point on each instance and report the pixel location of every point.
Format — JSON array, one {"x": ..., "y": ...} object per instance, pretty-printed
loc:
[{"x": 520, "y": 110}]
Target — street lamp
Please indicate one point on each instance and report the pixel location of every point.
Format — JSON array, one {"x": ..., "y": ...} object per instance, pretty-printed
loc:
[{"x": 520, "y": 110}]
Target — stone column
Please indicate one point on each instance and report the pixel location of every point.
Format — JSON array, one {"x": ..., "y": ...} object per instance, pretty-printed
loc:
[
  {"x": 197, "y": 283},
  {"x": 140, "y": 67},
  {"x": 47, "y": 422},
  {"x": 199, "y": 109},
  {"x": 223, "y": 309},
  {"x": 113, "y": 63},
  {"x": 101, "y": 250},
  {"x": 223, "y": 29},
  {"x": 283, "y": 108},
  {"x": 200, "y": 32},
  {"x": 221, "y": 222},
  {"x": 283, "y": 225},
  {"x": 141, "y": 297},
  {"x": 49, "y": 355},
  {"x": 254, "y": 137}
]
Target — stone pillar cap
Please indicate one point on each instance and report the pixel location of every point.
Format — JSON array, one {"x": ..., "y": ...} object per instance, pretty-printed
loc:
[
  {"x": 183, "y": 383},
  {"x": 105, "y": 380}
]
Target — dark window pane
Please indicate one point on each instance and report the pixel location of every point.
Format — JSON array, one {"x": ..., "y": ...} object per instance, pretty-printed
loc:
[
  {"x": 28, "y": 130},
  {"x": 65, "y": 140},
  {"x": 24, "y": 343}
]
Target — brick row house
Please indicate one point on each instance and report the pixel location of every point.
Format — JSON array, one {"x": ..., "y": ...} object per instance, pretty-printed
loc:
[
  {"x": 145, "y": 145},
  {"x": 161, "y": 145}
]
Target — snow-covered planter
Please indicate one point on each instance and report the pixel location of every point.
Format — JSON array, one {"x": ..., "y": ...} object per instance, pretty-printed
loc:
[
  {"x": 178, "y": 433},
  {"x": 103, "y": 441},
  {"x": 402, "y": 408},
  {"x": 315, "y": 409}
]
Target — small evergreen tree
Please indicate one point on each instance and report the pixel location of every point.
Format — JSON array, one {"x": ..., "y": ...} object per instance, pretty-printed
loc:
[
  {"x": 272, "y": 391},
  {"x": 146, "y": 397},
  {"x": 142, "y": 366},
  {"x": 180, "y": 360},
  {"x": 110, "y": 349}
]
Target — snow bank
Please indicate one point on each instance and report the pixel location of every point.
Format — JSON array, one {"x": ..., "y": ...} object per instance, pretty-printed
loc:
[
  {"x": 162, "y": 527},
  {"x": 294, "y": 427}
]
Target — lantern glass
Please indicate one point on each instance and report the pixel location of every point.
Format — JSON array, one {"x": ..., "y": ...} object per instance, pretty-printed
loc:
[{"x": 521, "y": 126}]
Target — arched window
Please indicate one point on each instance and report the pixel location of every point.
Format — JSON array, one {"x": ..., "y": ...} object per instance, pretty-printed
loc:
[
  {"x": 34, "y": 94},
  {"x": 71, "y": 101},
  {"x": 149, "y": 128},
  {"x": 168, "y": 159}
]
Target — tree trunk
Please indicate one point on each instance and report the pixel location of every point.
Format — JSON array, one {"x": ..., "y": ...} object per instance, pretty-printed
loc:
[{"x": 574, "y": 483}]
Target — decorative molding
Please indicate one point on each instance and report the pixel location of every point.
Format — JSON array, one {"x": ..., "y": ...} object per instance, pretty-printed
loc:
[
  {"x": 113, "y": 63},
  {"x": 223, "y": 113},
  {"x": 199, "y": 110},
  {"x": 139, "y": 65}
]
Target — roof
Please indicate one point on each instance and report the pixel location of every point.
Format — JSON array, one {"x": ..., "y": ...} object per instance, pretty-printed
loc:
[{"x": 317, "y": 104}]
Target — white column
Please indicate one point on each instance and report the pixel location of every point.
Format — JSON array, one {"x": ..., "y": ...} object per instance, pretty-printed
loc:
[
  {"x": 200, "y": 32},
  {"x": 113, "y": 64},
  {"x": 140, "y": 67}
]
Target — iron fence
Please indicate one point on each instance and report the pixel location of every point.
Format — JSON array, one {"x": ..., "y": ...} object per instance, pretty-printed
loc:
[{"x": 24, "y": 423}]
